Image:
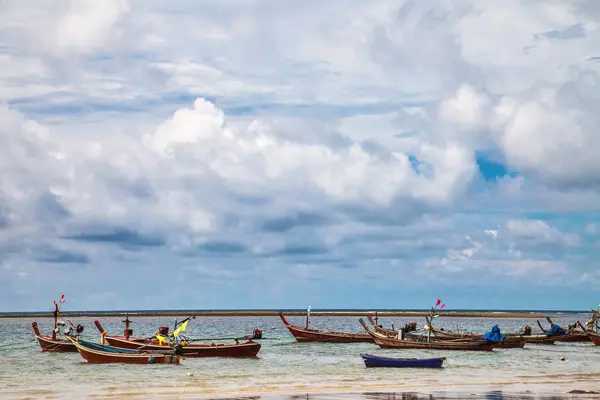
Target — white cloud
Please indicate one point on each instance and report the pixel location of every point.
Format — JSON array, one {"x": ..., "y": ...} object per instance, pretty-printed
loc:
[
  {"x": 261, "y": 126},
  {"x": 468, "y": 109},
  {"x": 87, "y": 23},
  {"x": 540, "y": 230}
]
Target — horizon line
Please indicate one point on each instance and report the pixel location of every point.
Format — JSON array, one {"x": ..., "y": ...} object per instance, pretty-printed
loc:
[{"x": 391, "y": 312}]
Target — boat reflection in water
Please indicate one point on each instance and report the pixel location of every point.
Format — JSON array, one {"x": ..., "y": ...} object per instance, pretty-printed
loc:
[{"x": 492, "y": 395}]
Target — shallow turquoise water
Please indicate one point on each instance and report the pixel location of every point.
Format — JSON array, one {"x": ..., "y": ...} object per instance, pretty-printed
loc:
[{"x": 284, "y": 366}]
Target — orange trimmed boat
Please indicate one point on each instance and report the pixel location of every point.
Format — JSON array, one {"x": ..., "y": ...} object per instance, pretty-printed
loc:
[
  {"x": 54, "y": 344},
  {"x": 100, "y": 354},
  {"x": 307, "y": 334},
  {"x": 245, "y": 349}
]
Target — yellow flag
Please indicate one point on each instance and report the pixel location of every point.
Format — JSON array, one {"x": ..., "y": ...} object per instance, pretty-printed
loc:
[
  {"x": 180, "y": 329},
  {"x": 161, "y": 339}
]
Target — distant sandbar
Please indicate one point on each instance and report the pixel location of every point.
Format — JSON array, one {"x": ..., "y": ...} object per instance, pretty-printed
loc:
[{"x": 271, "y": 313}]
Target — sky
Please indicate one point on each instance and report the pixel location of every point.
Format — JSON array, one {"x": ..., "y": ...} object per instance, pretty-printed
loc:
[{"x": 279, "y": 154}]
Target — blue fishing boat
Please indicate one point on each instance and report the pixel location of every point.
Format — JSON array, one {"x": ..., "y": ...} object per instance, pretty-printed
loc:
[{"x": 372, "y": 361}]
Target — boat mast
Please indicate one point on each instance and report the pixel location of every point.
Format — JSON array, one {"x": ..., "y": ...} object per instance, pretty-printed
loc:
[
  {"x": 127, "y": 332},
  {"x": 307, "y": 317},
  {"x": 55, "y": 314}
]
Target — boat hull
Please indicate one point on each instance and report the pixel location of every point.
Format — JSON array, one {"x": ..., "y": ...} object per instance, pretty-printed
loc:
[
  {"x": 372, "y": 361},
  {"x": 386, "y": 342},
  {"x": 572, "y": 338},
  {"x": 52, "y": 345},
  {"x": 511, "y": 340},
  {"x": 247, "y": 349},
  {"x": 595, "y": 339},
  {"x": 510, "y": 343},
  {"x": 96, "y": 354},
  {"x": 317, "y": 335}
]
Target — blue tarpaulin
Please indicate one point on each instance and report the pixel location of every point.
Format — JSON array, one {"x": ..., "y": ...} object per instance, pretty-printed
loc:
[
  {"x": 494, "y": 335},
  {"x": 555, "y": 330}
]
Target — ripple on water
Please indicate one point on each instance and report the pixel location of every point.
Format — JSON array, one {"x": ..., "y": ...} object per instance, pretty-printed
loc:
[{"x": 284, "y": 366}]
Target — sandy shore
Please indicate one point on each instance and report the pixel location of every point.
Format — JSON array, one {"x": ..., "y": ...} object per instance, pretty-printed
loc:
[
  {"x": 491, "y": 391},
  {"x": 268, "y": 313}
]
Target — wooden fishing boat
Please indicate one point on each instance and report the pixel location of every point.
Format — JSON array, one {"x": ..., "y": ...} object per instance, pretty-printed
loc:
[
  {"x": 307, "y": 334},
  {"x": 49, "y": 343},
  {"x": 373, "y": 361},
  {"x": 507, "y": 343},
  {"x": 245, "y": 349},
  {"x": 510, "y": 340},
  {"x": 570, "y": 335},
  {"x": 384, "y": 341},
  {"x": 101, "y": 354},
  {"x": 594, "y": 336},
  {"x": 380, "y": 329},
  {"x": 53, "y": 342}
]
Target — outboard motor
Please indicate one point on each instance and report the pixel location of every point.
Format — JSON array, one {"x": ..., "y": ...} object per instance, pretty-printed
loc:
[
  {"x": 163, "y": 330},
  {"x": 79, "y": 329},
  {"x": 257, "y": 334},
  {"x": 411, "y": 326}
]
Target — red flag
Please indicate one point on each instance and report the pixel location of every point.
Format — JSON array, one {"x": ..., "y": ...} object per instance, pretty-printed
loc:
[
  {"x": 437, "y": 303},
  {"x": 443, "y": 305}
]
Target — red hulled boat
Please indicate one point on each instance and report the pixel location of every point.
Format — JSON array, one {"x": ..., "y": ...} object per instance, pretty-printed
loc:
[
  {"x": 49, "y": 343},
  {"x": 245, "y": 349},
  {"x": 52, "y": 342},
  {"x": 307, "y": 334},
  {"x": 100, "y": 354},
  {"x": 594, "y": 336}
]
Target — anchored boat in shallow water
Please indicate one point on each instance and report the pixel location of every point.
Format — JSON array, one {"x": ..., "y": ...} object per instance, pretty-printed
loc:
[
  {"x": 54, "y": 343},
  {"x": 387, "y": 342},
  {"x": 307, "y": 334},
  {"x": 373, "y": 361},
  {"x": 101, "y": 354},
  {"x": 245, "y": 349}
]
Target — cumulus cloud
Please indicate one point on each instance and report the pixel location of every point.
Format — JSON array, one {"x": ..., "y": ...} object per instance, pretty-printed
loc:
[
  {"x": 180, "y": 133},
  {"x": 539, "y": 230},
  {"x": 87, "y": 23}
]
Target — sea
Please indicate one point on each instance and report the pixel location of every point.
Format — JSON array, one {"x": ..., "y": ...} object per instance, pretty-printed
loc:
[{"x": 285, "y": 369}]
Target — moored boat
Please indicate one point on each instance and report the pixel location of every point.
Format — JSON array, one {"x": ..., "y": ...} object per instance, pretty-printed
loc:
[
  {"x": 571, "y": 335},
  {"x": 506, "y": 343},
  {"x": 54, "y": 344},
  {"x": 384, "y": 341},
  {"x": 373, "y": 361},
  {"x": 511, "y": 339},
  {"x": 306, "y": 334},
  {"x": 248, "y": 348},
  {"x": 594, "y": 336},
  {"x": 101, "y": 354}
]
